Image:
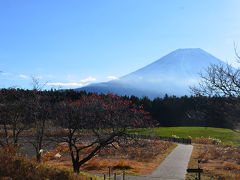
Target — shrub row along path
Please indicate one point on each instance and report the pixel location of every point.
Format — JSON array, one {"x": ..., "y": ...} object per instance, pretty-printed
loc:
[{"x": 174, "y": 167}]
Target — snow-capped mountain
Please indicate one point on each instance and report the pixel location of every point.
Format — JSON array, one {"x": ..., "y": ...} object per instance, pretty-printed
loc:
[{"x": 171, "y": 74}]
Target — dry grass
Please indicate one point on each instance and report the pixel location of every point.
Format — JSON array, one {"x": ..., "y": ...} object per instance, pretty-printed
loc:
[
  {"x": 122, "y": 165},
  {"x": 17, "y": 167},
  {"x": 218, "y": 162},
  {"x": 134, "y": 159},
  {"x": 209, "y": 140}
]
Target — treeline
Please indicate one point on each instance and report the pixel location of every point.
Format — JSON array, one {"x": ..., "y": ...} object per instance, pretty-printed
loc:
[
  {"x": 222, "y": 112},
  {"x": 202, "y": 111}
]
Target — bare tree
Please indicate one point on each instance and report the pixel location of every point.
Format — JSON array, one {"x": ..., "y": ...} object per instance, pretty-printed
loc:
[
  {"x": 39, "y": 111},
  {"x": 219, "y": 80},
  {"x": 222, "y": 80},
  {"x": 94, "y": 122},
  {"x": 12, "y": 116}
]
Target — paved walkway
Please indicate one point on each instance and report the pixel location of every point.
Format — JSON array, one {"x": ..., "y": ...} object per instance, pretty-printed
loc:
[
  {"x": 172, "y": 168},
  {"x": 175, "y": 165}
]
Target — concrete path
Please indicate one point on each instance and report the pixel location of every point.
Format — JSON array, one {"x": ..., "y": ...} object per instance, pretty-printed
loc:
[
  {"x": 172, "y": 168},
  {"x": 175, "y": 165}
]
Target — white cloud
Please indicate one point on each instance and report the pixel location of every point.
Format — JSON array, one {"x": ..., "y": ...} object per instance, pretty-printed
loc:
[
  {"x": 5, "y": 73},
  {"x": 86, "y": 80},
  {"x": 65, "y": 84},
  {"x": 23, "y": 76},
  {"x": 74, "y": 83},
  {"x": 89, "y": 79},
  {"x": 112, "y": 77}
]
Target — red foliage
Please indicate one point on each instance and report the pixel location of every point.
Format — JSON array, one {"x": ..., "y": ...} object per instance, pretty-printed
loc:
[{"x": 109, "y": 112}]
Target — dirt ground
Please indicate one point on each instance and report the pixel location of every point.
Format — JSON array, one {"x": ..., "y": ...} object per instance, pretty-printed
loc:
[
  {"x": 217, "y": 161},
  {"x": 134, "y": 159}
]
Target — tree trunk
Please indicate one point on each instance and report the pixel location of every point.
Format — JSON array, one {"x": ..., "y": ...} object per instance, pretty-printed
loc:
[
  {"x": 76, "y": 167},
  {"x": 38, "y": 157}
]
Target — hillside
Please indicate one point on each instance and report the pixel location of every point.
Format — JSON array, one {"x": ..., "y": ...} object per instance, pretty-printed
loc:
[{"x": 171, "y": 74}]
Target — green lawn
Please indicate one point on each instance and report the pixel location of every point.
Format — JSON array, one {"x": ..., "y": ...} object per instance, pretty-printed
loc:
[{"x": 227, "y": 136}]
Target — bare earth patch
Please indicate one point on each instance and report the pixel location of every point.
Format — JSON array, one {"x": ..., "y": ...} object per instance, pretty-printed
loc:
[
  {"x": 217, "y": 161},
  {"x": 136, "y": 159}
]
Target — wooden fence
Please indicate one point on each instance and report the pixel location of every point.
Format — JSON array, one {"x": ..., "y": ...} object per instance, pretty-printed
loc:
[{"x": 163, "y": 138}]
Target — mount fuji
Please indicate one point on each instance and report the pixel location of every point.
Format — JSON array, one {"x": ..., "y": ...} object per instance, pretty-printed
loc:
[{"x": 172, "y": 74}]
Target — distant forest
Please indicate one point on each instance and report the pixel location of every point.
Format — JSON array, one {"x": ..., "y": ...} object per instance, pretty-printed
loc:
[{"x": 222, "y": 112}]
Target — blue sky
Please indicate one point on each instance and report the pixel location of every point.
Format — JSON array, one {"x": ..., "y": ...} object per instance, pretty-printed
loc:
[{"x": 74, "y": 43}]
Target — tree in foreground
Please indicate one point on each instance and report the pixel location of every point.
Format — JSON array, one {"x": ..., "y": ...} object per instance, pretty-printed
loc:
[
  {"x": 222, "y": 80},
  {"x": 94, "y": 122},
  {"x": 39, "y": 112},
  {"x": 12, "y": 116}
]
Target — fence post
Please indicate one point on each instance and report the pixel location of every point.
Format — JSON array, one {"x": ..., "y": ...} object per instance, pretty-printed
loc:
[
  {"x": 123, "y": 175},
  {"x": 109, "y": 172},
  {"x": 115, "y": 176},
  {"x": 199, "y": 174},
  {"x": 104, "y": 176}
]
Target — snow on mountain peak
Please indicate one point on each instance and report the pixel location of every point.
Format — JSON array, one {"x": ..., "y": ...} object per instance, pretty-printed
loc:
[
  {"x": 184, "y": 62},
  {"x": 171, "y": 74}
]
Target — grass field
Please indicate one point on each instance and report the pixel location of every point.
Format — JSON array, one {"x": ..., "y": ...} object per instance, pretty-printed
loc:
[{"x": 227, "y": 136}]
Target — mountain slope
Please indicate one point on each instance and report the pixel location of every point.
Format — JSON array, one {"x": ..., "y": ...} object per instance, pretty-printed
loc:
[{"x": 171, "y": 74}]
